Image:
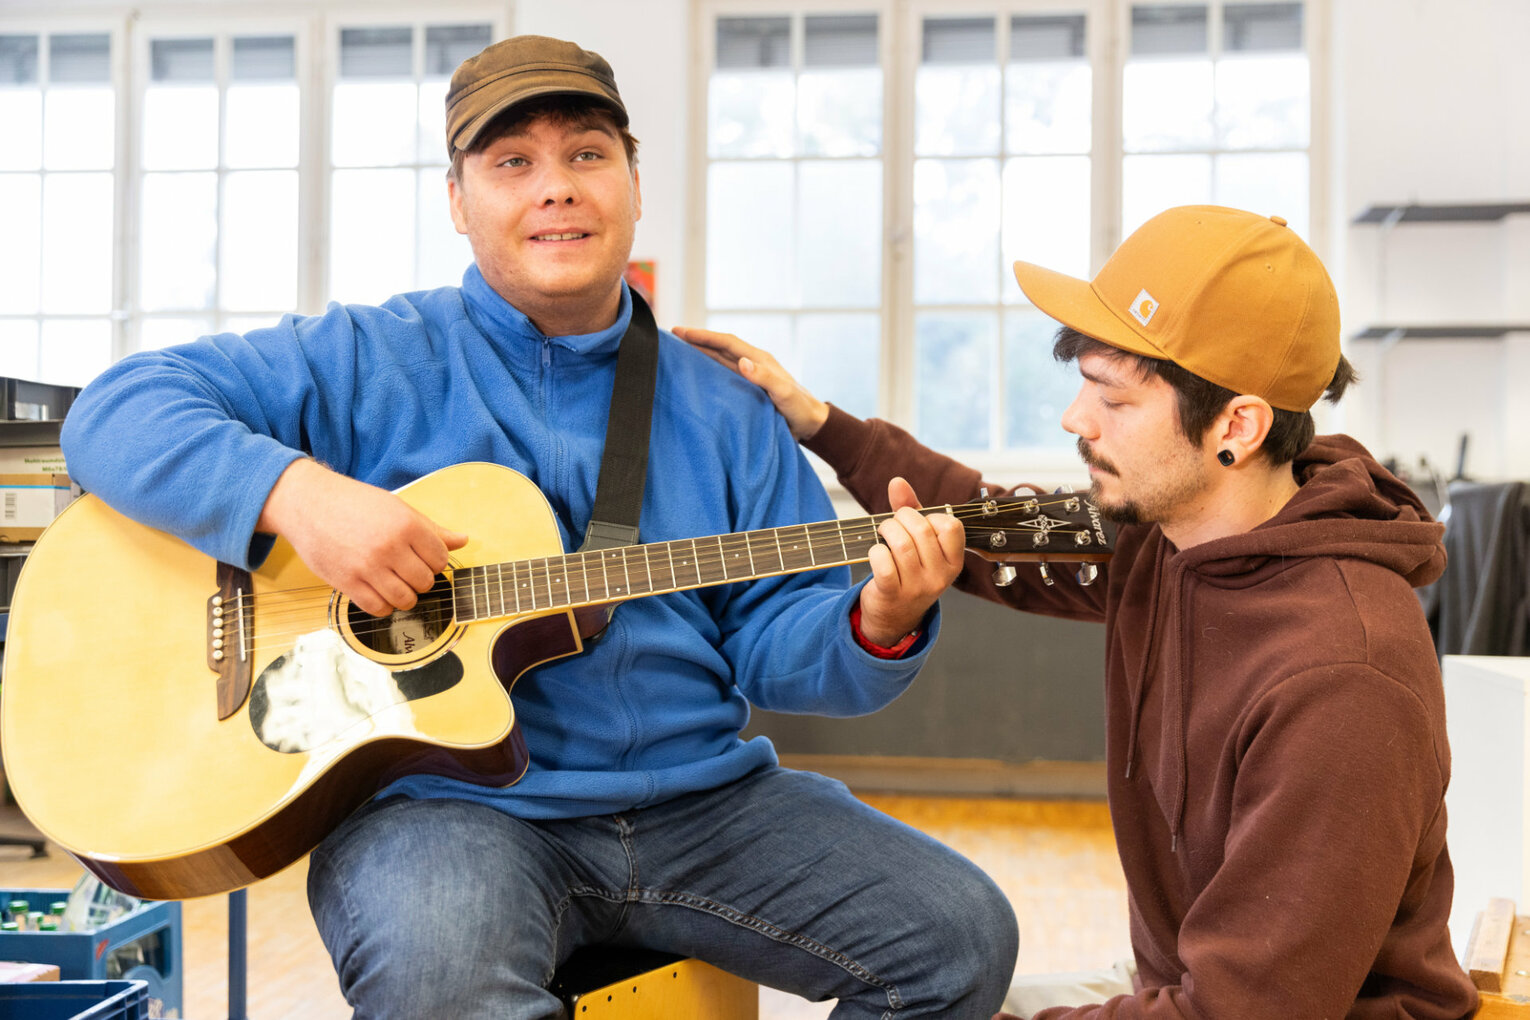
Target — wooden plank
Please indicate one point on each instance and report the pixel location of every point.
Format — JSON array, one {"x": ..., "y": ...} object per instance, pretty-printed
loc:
[
  {"x": 1516, "y": 967},
  {"x": 1487, "y": 951},
  {"x": 1501, "y": 1007}
]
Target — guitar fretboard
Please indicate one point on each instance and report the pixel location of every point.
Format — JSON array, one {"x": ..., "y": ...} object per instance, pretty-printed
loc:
[{"x": 610, "y": 575}]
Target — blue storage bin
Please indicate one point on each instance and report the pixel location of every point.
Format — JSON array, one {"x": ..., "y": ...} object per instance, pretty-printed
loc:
[
  {"x": 154, "y": 927},
  {"x": 74, "y": 1000}
]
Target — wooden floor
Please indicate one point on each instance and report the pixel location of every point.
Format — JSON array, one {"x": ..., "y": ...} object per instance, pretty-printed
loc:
[{"x": 1055, "y": 859}]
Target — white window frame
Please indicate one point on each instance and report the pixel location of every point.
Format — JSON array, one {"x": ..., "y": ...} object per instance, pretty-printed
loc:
[{"x": 1108, "y": 47}]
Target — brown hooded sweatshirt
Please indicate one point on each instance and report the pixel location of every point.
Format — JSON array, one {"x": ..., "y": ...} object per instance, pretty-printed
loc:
[{"x": 1276, "y": 744}]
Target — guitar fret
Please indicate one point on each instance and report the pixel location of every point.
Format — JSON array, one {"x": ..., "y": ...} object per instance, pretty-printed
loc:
[
  {"x": 799, "y": 556},
  {"x": 674, "y": 578},
  {"x": 584, "y": 580}
]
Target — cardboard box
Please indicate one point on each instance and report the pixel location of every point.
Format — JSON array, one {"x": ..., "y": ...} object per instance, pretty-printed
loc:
[
  {"x": 32, "y": 460},
  {"x": 28, "y": 504}
]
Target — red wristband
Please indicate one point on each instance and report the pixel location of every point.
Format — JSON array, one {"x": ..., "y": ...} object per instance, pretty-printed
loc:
[{"x": 896, "y": 651}]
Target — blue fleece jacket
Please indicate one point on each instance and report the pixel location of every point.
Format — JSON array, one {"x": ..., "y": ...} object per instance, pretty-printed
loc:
[{"x": 191, "y": 439}]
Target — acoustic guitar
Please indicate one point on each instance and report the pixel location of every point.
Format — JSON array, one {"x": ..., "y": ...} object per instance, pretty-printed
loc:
[{"x": 184, "y": 728}]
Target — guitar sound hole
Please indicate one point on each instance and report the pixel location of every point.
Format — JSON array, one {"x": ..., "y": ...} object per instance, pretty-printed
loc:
[{"x": 406, "y": 631}]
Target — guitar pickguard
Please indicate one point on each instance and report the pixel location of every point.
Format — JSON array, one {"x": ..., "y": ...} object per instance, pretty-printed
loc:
[{"x": 322, "y": 687}]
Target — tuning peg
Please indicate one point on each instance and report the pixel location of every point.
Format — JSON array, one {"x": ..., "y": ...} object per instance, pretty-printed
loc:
[
  {"x": 1046, "y": 575},
  {"x": 1087, "y": 574},
  {"x": 1004, "y": 575}
]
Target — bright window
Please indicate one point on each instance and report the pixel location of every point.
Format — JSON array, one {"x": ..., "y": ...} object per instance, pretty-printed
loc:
[
  {"x": 794, "y": 194},
  {"x": 218, "y": 190},
  {"x": 242, "y": 191},
  {"x": 58, "y": 204},
  {"x": 390, "y": 224},
  {"x": 964, "y": 139}
]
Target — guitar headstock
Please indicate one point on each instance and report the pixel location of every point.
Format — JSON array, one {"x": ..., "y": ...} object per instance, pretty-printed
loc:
[{"x": 1060, "y": 526}]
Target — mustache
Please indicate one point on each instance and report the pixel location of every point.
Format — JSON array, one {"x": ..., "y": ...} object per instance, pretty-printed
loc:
[{"x": 1089, "y": 457}]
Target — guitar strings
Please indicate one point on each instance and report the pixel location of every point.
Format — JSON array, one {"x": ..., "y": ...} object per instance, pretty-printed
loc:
[{"x": 283, "y": 608}]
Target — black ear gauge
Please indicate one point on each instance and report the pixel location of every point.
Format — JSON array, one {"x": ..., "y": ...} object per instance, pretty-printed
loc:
[{"x": 1226, "y": 458}]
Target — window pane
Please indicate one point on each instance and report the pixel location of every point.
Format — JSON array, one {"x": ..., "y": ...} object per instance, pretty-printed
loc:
[
  {"x": 244, "y": 323},
  {"x": 18, "y": 348},
  {"x": 184, "y": 60},
  {"x": 754, "y": 42},
  {"x": 79, "y": 128},
  {"x": 180, "y": 127},
  {"x": 840, "y": 355},
  {"x": 1037, "y": 390},
  {"x": 375, "y": 123},
  {"x": 260, "y": 240},
  {"x": 77, "y": 243},
  {"x": 444, "y": 253},
  {"x": 18, "y": 59},
  {"x": 265, "y": 58},
  {"x": 840, "y": 112},
  {"x": 840, "y": 41},
  {"x": 372, "y": 234},
  {"x": 1151, "y": 184},
  {"x": 954, "y": 359},
  {"x": 958, "y": 41},
  {"x": 956, "y": 110},
  {"x": 1267, "y": 183},
  {"x": 261, "y": 125},
  {"x": 1263, "y": 27},
  {"x": 1046, "y": 216},
  {"x": 376, "y": 52},
  {"x": 1166, "y": 105},
  {"x": 21, "y": 113},
  {"x": 749, "y": 235},
  {"x": 80, "y": 58},
  {"x": 750, "y": 114},
  {"x": 839, "y": 233},
  {"x": 74, "y": 351},
  {"x": 773, "y": 333},
  {"x": 446, "y": 46},
  {"x": 1046, "y": 38},
  {"x": 1047, "y": 107},
  {"x": 956, "y": 230},
  {"x": 430, "y": 126},
  {"x": 1157, "y": 31},
  {"x": 1262, "y": 102},
  {"x": 154, "y": 333},
  {"x": 20, "y": 273},
  {"x": 177, "y": 267}
]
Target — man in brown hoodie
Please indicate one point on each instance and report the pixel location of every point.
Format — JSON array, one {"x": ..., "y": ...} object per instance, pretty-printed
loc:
[{"x": 1276, "y": 733}]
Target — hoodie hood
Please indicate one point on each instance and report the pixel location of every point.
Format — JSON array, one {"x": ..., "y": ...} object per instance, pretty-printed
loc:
[{"x": 1348, "y": 506}]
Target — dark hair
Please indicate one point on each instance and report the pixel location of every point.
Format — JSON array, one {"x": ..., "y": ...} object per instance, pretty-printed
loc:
[
  {"x": 1201, "y": 401},
  {"x": 562, "y": 110}
]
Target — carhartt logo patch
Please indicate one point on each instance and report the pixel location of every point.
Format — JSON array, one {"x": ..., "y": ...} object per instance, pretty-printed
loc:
[{"x": 1143, "y": 307}]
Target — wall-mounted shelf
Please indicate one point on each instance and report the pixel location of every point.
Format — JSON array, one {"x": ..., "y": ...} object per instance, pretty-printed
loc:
[
  {"x": 1476, "y": 332},
  {"x": 1470, "y": 212}
]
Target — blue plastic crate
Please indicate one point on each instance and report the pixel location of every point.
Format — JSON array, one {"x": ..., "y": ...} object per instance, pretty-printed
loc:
[
  {"x": 84, "y": 955},
  {"x": 74, "y": 1000}
]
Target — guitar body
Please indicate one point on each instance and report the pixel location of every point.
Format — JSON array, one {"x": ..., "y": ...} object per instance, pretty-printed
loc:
[{"x": 110, "y": 719}]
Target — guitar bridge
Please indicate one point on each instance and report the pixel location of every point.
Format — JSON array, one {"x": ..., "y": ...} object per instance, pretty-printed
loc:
[{"x": 230, "y": 633}]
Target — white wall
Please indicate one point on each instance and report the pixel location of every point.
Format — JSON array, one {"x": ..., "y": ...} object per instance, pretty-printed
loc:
[{"x": 1433, "y": 106}]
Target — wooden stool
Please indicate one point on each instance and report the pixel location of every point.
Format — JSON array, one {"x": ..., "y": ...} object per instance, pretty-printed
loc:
[
  {"x": 641, "y": 984},
  {"x": 1498, "y": 960}
]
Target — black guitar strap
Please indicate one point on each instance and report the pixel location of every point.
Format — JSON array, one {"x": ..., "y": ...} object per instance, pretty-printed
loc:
[{"x": 624, "y": 463}]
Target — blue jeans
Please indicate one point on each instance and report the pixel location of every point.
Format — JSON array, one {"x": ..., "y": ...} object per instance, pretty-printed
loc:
[{"x": 443, "y": 908}]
